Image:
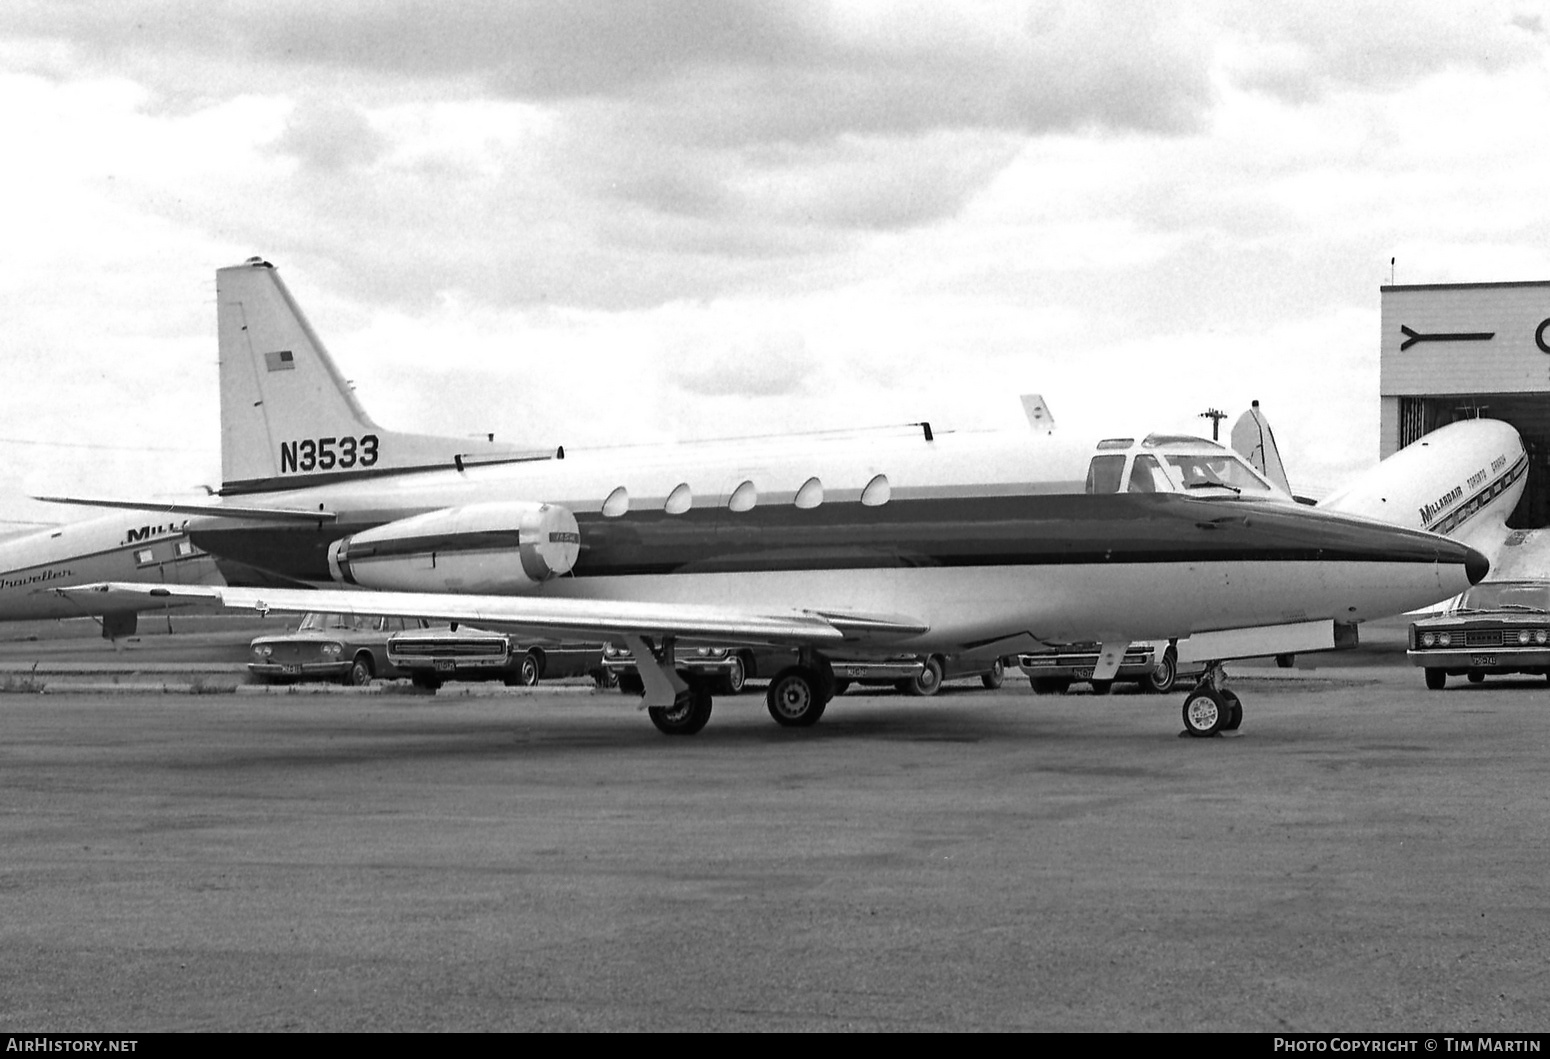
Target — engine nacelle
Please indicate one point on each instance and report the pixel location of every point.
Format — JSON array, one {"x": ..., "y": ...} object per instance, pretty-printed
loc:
[{"x": 496, "y": 548}]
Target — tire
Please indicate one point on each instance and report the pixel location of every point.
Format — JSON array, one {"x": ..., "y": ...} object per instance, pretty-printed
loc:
[
  {"x": 793, "y": 699},
  {"x": 1102, "y": 687},
  {"x": 840, "y": 687},
  {"x": 992, "y": 680},
  {"x": 1164, "y": 675},
  {"x": 528, "y": 670},
  {"x": 736, "y": 678},
  {"x": 1205, "y": 713},
  {"x": 928, "y": 681},
  {"x": 1234, "y": 712},
  {"x": 603, "y": 679},
  {"x": 359, "y": 674},
  {"x": 631, "y": 684},
  {"x": 425, "y": 681},
  {"x": 686, "y": 716},
  {"x": 1474, "y": 676},
  {"x": 1049, "y": 685},
  {"x": 1436, "y": 679}
]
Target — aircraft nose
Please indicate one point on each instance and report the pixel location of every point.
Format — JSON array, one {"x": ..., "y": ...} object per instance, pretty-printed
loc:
[{"x": 1476, "y": 566}]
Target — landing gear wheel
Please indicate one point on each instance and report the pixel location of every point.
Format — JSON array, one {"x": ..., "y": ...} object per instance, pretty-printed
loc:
[
  {"x": 1049, "y": 685},
  {"x": 1102, "y": 687},
  {"x": 1164, "y": 675},
  {"x": 1206, "y": 712},
  {"x": 997, "y": 674},
  {"x": 1436, "y": 679},
  {"x": 793, "y": 698},
  {"x": 928, "y": 681},
  {"x": 686, "y": 716},
  {"x": 360, "y": 673},
  {"x": 1234, "y": 712}
]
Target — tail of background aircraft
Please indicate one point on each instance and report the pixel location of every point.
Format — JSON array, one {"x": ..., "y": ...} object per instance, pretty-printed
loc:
[
  {"x": 1253, "y": 440},
  {"x": 288, "y": 417}
]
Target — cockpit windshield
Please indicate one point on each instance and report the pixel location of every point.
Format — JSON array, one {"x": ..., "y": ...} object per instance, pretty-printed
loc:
[{"x": 1215, "y": 470}]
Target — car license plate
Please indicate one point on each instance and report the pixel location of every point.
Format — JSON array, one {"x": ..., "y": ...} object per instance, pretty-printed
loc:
[
  {"x": 291, "y": 669},
  {"x": 445, "y": 665},
  {"x": 1482, "y": 660},
  {"x": 1084, "y": 674}
]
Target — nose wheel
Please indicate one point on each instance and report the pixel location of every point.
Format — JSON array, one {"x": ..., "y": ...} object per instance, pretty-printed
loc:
[{"x": 1210, "y": 708}]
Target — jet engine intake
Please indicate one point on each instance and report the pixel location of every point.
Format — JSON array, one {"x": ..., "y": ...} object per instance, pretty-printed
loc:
[{"x": 500, "y": 548}]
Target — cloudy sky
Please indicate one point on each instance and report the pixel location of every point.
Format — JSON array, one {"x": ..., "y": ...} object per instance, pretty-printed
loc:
[{"x": 577, "y": 222}]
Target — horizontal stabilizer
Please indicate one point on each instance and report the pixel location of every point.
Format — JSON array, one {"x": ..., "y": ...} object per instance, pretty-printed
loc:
[
  {"x": 556, "y": 618},
  {"x": 266, "y": 514}
]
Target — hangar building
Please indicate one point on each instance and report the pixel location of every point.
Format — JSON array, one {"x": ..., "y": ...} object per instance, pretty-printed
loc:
[{"x": 1465, "y": 350}]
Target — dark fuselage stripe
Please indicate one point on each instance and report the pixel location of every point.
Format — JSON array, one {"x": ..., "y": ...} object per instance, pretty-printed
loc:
[{"x": 958, "y": 532}]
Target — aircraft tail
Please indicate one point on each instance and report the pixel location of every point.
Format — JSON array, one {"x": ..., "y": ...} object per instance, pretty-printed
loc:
[
  {"x": 288, "y": 417},
  {"x": 1253, "y": 440}
]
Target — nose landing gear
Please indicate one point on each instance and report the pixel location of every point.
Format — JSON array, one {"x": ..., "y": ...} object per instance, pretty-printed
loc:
[{"x": 1210, "y": 708}]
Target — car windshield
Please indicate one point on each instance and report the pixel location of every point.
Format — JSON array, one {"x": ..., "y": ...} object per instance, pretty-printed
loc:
[{"x": 1508, "y": 595}]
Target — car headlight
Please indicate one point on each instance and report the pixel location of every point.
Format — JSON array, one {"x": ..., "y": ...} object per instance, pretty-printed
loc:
[
  {"x": 1444, "y": 639},
  {"x": 1541, "y": 636},
  {"x": 1428, "y": 639},
  {"x": 332, "y": 650},
  {"x": 1524, "y": 636},
  {"x": 262, "y": 650}
]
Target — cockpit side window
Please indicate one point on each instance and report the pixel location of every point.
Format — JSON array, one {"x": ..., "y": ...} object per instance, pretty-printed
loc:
[{"x": 1103, "y": 474}]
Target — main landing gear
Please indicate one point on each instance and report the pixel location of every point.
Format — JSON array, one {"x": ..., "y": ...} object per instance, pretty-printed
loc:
[
  {"x": 1209, "y": 708},
  {"x": 680, "y": 703}
]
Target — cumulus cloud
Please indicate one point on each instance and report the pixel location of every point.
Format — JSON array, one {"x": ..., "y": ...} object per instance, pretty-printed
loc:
[{"x": 329, "y": 137}]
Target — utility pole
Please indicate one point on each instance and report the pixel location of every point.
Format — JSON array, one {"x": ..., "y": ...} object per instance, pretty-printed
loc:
[{"x": 1215, "y": 415}]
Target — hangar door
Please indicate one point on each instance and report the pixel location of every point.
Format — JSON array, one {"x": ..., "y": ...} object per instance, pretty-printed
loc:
[{"x": 1528, "y": 413}]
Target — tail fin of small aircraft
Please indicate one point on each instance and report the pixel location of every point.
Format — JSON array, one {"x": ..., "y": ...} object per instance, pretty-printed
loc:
[
  {"x": 1037, "y": 412},
  {"x": 1253, "y": 440},
  {"x": 288, "y": 417}
]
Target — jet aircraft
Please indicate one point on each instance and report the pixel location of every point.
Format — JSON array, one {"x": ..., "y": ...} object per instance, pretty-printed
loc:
[{"x": 860, "y": 543}]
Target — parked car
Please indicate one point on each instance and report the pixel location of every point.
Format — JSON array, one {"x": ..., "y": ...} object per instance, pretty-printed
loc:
[
  {"x": 1495, "y": 627},
  {"x": 732, "y": 667},
  {"x": 431, "y": 657},
  {"x": 348, "y": 648},
  {"x": 727, "y": 668},
  {"x": 1152, "y": 664}
]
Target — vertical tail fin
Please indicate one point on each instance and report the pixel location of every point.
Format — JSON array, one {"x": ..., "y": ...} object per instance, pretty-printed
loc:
[
  {"x": 1253, "y": 440},
  {"x": 288, "y": 417}
]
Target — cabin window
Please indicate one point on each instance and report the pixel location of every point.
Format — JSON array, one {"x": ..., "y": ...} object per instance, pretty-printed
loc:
[
  {"x": 810, "y": 495},
  {"x": 145, "y": 556},
  {"x": 1103, "y": 474},
  {"x": 877, "y": 491},
  {"x": 679, "y": 500},
  {"x": 744, "y": 497},
  {"x": 185, "y": 549},
  {"x": 618, "y": 503}
]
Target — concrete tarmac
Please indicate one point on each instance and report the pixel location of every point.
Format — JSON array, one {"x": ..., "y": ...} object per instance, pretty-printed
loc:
[{"x": 1366, "y": 855}]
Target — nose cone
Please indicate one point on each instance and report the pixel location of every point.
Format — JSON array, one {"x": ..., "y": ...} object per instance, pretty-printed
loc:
[{"x": 1476, "y": 566}]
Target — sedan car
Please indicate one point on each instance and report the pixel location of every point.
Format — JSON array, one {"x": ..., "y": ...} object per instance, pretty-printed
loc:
[
  {"x": 1496, "y": 627},
  {"x": 432, "y": 657},
  {"x": 348, "y": 648}
]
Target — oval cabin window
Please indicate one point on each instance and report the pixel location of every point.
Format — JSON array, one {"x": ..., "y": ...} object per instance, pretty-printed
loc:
[
  {"x": 744, "y": 497},
  {"x": 810, "y": 495},
  {"x": 877, "y": 491},
  {"x": 679, "y": 500},
  {"x": 618, "y": 503}
]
